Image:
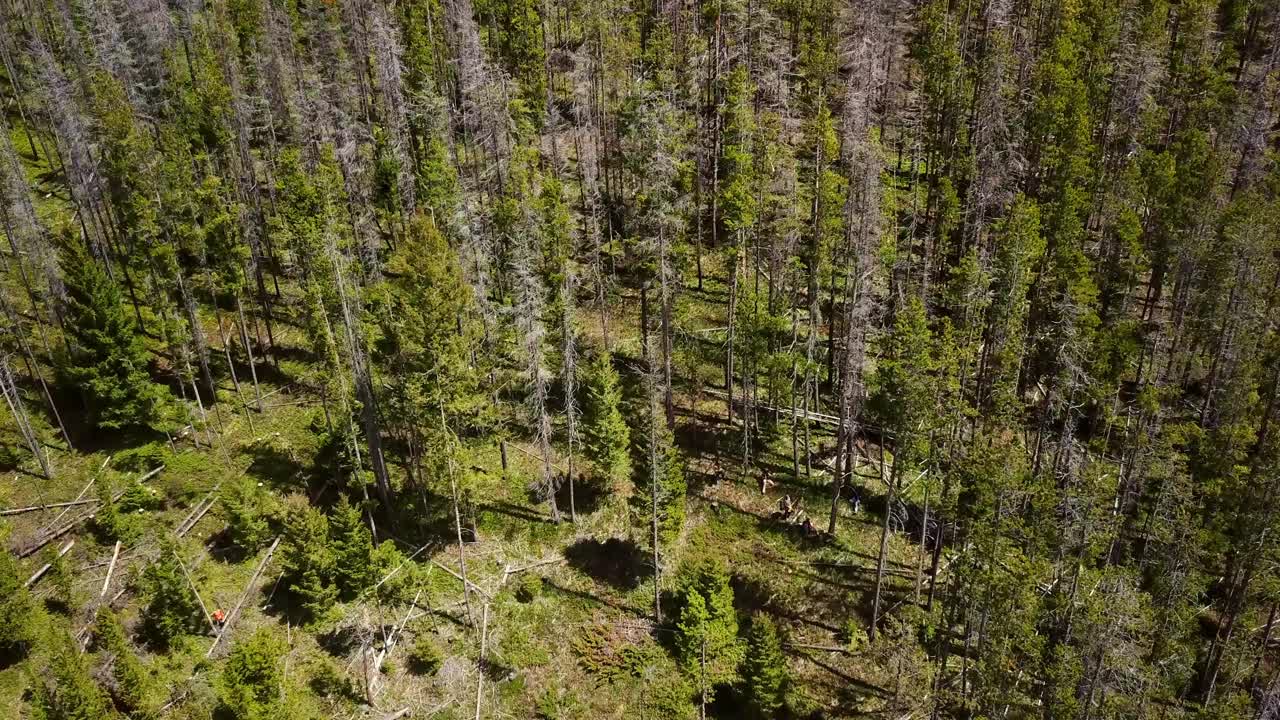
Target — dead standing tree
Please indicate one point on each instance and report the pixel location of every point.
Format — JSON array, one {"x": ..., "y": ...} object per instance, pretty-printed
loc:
[
  {"x": 480, "y": 90},
  {"x": 569, "y": 368},
  {"x": 389, "y": 68},
  {"x": 528, "y": 312},
  {"x": 862, "y": 234},
  {"x": 71, "y": 133},
  {"x": 13, "y": 400}
]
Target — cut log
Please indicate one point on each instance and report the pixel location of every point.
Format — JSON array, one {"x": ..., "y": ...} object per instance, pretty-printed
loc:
[
  {"x": 235, "y": 612},
  {"x": 191, "y": 583},
  {"x": 45, "y": 568},
  {"x": 74, "y": 523},
  {"x": 50, "y": 506},
  {"x": 115, "y": 555},
  {"x": 470, "y": 584}
]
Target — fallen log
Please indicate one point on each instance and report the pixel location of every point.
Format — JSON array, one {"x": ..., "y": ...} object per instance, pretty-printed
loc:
[
  {"x": 508, "y": 571},
  {"x": 197, "y": 513},
  {"x": 825, "y": 648},
  {"x": 115, "y": 555},
  {"x": 50, "y": 506},
  {"x": 391, "y": 641},
  {"x": 73, "y": 524},
  {"x": 83, "y": 490},
  {"x": 484, "y": 636},
  {"x": 470, "y": 584},
  {"x": 191, "y": 583},
  {"x": 45, "y": 568},
  {"x": 235, "y": 612}
]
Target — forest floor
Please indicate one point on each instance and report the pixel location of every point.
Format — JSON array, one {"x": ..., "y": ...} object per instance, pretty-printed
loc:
[{"x": 578, "y": 642}]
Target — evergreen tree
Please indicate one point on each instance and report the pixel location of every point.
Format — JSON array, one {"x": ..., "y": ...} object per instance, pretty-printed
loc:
[
  {"x": 520, "y": 44},
  {"x": 1018, "y": 248},
  {"x": 249, "y": 510},
  {"x": 429, "y": 338},
  {"x": 132, "y": 684},
  {"x": 657, "y": 460},
  {"x": 352, "y": 549},
  {"x": 17, "y": 607},
  {"x": 607, "y": 436},
  {"x": 903, "y": 398},
  {"x": 172, "y": 611},
  {"x": 764, "y": 669},
  {"x": 738, "y": 207},
  {"x": 1033, "y": 244},
  {"x": 65, "y": 690},
  {"x": 308, "y": 559},
  {"x": 706, "y": 627},
  {"x": 107, "y": 361},
  {"x": 111, "y": 521},
  {"x": 250, "y": 681}
]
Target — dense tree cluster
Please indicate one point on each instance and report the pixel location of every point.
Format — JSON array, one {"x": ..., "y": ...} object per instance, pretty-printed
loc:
[{"x": 1012, "y": 267}]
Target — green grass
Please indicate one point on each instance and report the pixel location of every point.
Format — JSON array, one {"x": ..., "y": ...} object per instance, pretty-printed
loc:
[{"x": 535, "y": 649}]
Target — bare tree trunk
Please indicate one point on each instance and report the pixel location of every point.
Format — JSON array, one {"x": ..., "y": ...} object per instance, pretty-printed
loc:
[
  {"x": 924, "y": 532},
  {"x": 664, "y": 270},
  {"x": 882, "y": 556},
  {"x": 733, "y": 308},
  {"x": 14, "y": 401},
  {"x": 570, "y": 364},
  {"x": 655, "y": 475},
  {"x": 457, "y": 527},
  {"x": 248, "y": 349}
]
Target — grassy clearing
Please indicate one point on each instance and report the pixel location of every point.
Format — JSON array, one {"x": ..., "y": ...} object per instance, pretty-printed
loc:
[{"x": 568, "y": 635}]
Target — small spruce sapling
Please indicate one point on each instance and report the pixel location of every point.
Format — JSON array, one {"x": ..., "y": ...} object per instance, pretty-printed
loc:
[
  {"x": 764, "y": 670},
  {"x": 606, "y": 433},
  {"x": 172, "y": 610},
  {"x": 17, "y": 607},
  {"x": 65, "y": 690},
  {"x": 132, "y": 685},
  {"x": 352, "y": 549},
  {"x": 308, "y": 559},
  {"x": 250, "y": 682}
]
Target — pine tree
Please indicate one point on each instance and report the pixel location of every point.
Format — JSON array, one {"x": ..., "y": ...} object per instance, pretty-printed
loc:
[
  {"x": 132, "y": 683},
  {"x": 606, "y": 434},
  {"x": 308, "y": 559},
  {"x": 352, "y": 549},
  {"x": 1018, "y": 248},
  {"x": 17, "y": 607},
  {"x": 428, "y": 348},
  {"x": 250, "y": 681},
  {"x": 656, "y": 459},
  {"x": 112, "y": 520},
  {"x": 520, "y": 44},
  {"x": 172, "y": 610},
  {"x": 737, "y": 202},
  {"x": 65, "y": 690},
  {"x": 107, "y": 361},
  {"x": 903, "y": 397},
  {"x": 249, "y": 510},
  {"x": 764, "y": 669},
  {"x": 706, "y": 627}
]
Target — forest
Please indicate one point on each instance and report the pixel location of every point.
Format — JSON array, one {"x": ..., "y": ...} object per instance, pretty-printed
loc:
[{"x": 559, "y": 359}]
